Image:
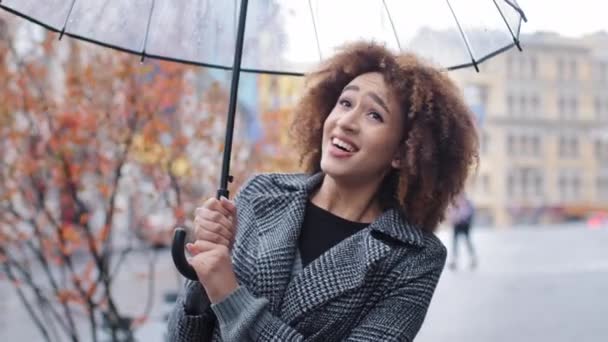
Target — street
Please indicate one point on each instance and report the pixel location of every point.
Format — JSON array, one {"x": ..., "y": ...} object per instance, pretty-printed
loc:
[
  {"x": 531, "y": 284},
  {"x": 546, "y": 284}
]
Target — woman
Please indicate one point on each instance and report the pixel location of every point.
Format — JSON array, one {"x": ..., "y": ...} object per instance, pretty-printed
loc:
[
  {"x": 345, "y": 251},
  {"x": 461, "y": 214}
]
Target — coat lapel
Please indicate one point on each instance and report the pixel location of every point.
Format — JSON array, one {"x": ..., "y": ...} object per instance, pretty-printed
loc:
[
  {"x": 338, "y": 270},
  {"x": 279, "y": 217}
]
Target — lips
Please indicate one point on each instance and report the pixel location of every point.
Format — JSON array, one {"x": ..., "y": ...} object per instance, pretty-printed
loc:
[{"x": 344, "y": 144}]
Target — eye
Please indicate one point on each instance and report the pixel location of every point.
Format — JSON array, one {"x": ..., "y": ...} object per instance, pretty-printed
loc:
[
  {"x": 376, "y": 116},
  {"x": 344, "y": 103}
]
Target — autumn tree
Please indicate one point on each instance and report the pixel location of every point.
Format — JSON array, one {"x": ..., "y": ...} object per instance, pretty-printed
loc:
[{"x": 100, "y": 158}]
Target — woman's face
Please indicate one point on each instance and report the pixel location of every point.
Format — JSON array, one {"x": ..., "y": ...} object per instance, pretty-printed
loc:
[{"x": 362, "y": 134}]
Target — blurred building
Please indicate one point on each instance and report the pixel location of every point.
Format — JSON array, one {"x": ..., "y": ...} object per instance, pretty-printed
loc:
[{"x": 543, "y": 123}]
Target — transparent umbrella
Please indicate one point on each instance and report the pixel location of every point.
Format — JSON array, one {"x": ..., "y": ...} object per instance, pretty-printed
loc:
[{"x": 279, "y": 36}]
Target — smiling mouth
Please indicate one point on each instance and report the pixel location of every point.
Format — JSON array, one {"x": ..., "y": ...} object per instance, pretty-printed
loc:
[{"x": 343, "y": 145}]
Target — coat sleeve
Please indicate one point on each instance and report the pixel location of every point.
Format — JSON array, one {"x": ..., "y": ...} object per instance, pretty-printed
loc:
[
  {"x": 192, "y": 318},
  {"x": 398, "y": 317}
]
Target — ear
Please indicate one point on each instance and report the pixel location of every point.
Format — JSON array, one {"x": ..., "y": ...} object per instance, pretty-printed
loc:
[{"x": 397, "y": 162}]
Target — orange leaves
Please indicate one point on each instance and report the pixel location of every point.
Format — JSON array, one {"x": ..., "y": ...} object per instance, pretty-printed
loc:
[
  {"x": 68, "y": 121},
  {"x": 69, "y": 296},
  {"x": 180, "y": 142},
  {"x": 84, "y": 219},
  {"x": 104, "y": 233},
  {"x": 69, "y": 233},
  {"x": 90, "y": 292},
  {"x": 179, "y": 213},
  {"x": 104, "y": 190}
]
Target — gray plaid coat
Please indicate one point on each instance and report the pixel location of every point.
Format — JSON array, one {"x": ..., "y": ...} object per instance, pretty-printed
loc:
[{"x": 374, "y": 286}]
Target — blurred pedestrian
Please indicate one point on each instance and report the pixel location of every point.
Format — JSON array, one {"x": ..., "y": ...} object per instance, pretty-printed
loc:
[{"x": 461, "y": 215}]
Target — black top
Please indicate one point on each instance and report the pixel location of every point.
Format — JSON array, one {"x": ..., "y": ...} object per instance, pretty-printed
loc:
[{"x": 321, "y": 230}]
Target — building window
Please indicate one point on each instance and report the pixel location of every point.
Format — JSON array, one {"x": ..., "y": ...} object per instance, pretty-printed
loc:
[
  {"x": 602, "y": 188},
  {"x": 573, "y": 70},
  {"x": 523, "y": 106},
  {"x": 511, "y": 185},
  {"x": 536, "y": 145},
  {"x": 524, "y": 144},
  {"x": 569, "y": 185},
  {"x": 525, "y": 182},
  {"x": 573, "y": 108},
  {"x": 601, "y": 108},
  {"x": 511, "y": 107},
  {"x": 538, "y": 185},
  {"x": 561, "y": 107},
  {"x": 510, "y": 144},
  {"x": 574, "y": 148},
  {"x": 568, "y": 147},
  {"x": 601, "y": 150},
  {"x": 560, "y": 69},
  {"x": 536, "y": 106},
  {"x": 533, "y": 67},
  {"x": 567, "y": 107}
]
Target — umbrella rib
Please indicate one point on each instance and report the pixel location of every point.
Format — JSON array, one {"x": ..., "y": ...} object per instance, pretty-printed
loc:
[
  {"x": 464, "y": 37},
  {"x": 314, "y": 25},
  {"x": 65, "y": 22},
  {"x": 390, "y": 18},
  {"x": 515, "y": 39},
  {"x": 518, "y": 9},
  {"x": 145, "y": 43}
]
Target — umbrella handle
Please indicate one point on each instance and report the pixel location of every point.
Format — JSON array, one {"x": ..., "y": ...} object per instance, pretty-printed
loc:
[
  {"x": 179, "y": 241},
  {"x": 179, "y": 255}
]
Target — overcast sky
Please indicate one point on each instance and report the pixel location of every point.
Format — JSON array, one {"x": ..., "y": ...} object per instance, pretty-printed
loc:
[{"x": 569, "y": 17}]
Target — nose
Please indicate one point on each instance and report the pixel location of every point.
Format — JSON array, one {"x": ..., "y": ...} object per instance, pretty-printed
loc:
[{"x": 348, "y": 121}]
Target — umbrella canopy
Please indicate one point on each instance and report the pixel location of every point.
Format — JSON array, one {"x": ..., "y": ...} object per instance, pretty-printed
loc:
[{"x": 283, "y": 36}]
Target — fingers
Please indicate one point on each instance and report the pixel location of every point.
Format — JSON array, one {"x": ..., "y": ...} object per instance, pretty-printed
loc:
[
  {"x": 202, "y": 246},
  {"x": 228, "y": 205},
  {"x": 215, "y": 221},
  {"x": 205, "y": 216},
  {"x": 213, "y": 226},
  {"x": 216, "y": 205},
  {"x": 221, "y": 237}
]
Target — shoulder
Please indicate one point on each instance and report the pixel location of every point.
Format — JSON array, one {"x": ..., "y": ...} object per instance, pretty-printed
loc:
[
  {"x": 272, "y": 183},
  {"x": 429, "y": 257},
  {"x": 434, "y": 249}
]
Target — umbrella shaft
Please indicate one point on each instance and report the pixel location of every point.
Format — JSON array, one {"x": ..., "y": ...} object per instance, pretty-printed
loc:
[{"x": 234, "y": 86}]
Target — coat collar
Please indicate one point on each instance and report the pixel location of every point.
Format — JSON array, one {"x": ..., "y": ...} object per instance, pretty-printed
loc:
[
  {"x": 391, "y": 223},
  {"x": 279, "y": 209}
]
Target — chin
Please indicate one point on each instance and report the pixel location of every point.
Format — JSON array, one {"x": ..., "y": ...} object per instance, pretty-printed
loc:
[{"x": 337, "y": 171}]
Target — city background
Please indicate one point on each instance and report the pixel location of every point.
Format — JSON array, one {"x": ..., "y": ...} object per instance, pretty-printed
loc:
[{"x": 101, "y": 156}]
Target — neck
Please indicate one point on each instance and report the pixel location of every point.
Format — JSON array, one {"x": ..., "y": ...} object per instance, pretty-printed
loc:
[{"x": 352, "y": 201}]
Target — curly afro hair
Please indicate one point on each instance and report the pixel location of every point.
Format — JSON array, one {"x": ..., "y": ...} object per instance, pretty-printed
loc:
[{"x": 441, "y": 143}]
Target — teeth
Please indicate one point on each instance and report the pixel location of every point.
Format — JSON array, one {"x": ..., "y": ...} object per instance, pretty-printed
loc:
[{"x": 343, "y": 144}]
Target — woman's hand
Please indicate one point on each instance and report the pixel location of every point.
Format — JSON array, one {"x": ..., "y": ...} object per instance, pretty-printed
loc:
[
  {"x": 213, "y": 267},
  {"x": 215, "y": 222},
  {"x": 214, "y": 232}
]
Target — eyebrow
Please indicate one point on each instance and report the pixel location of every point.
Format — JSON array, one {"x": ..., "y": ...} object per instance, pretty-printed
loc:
[{"x": 373, "y": 95}]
